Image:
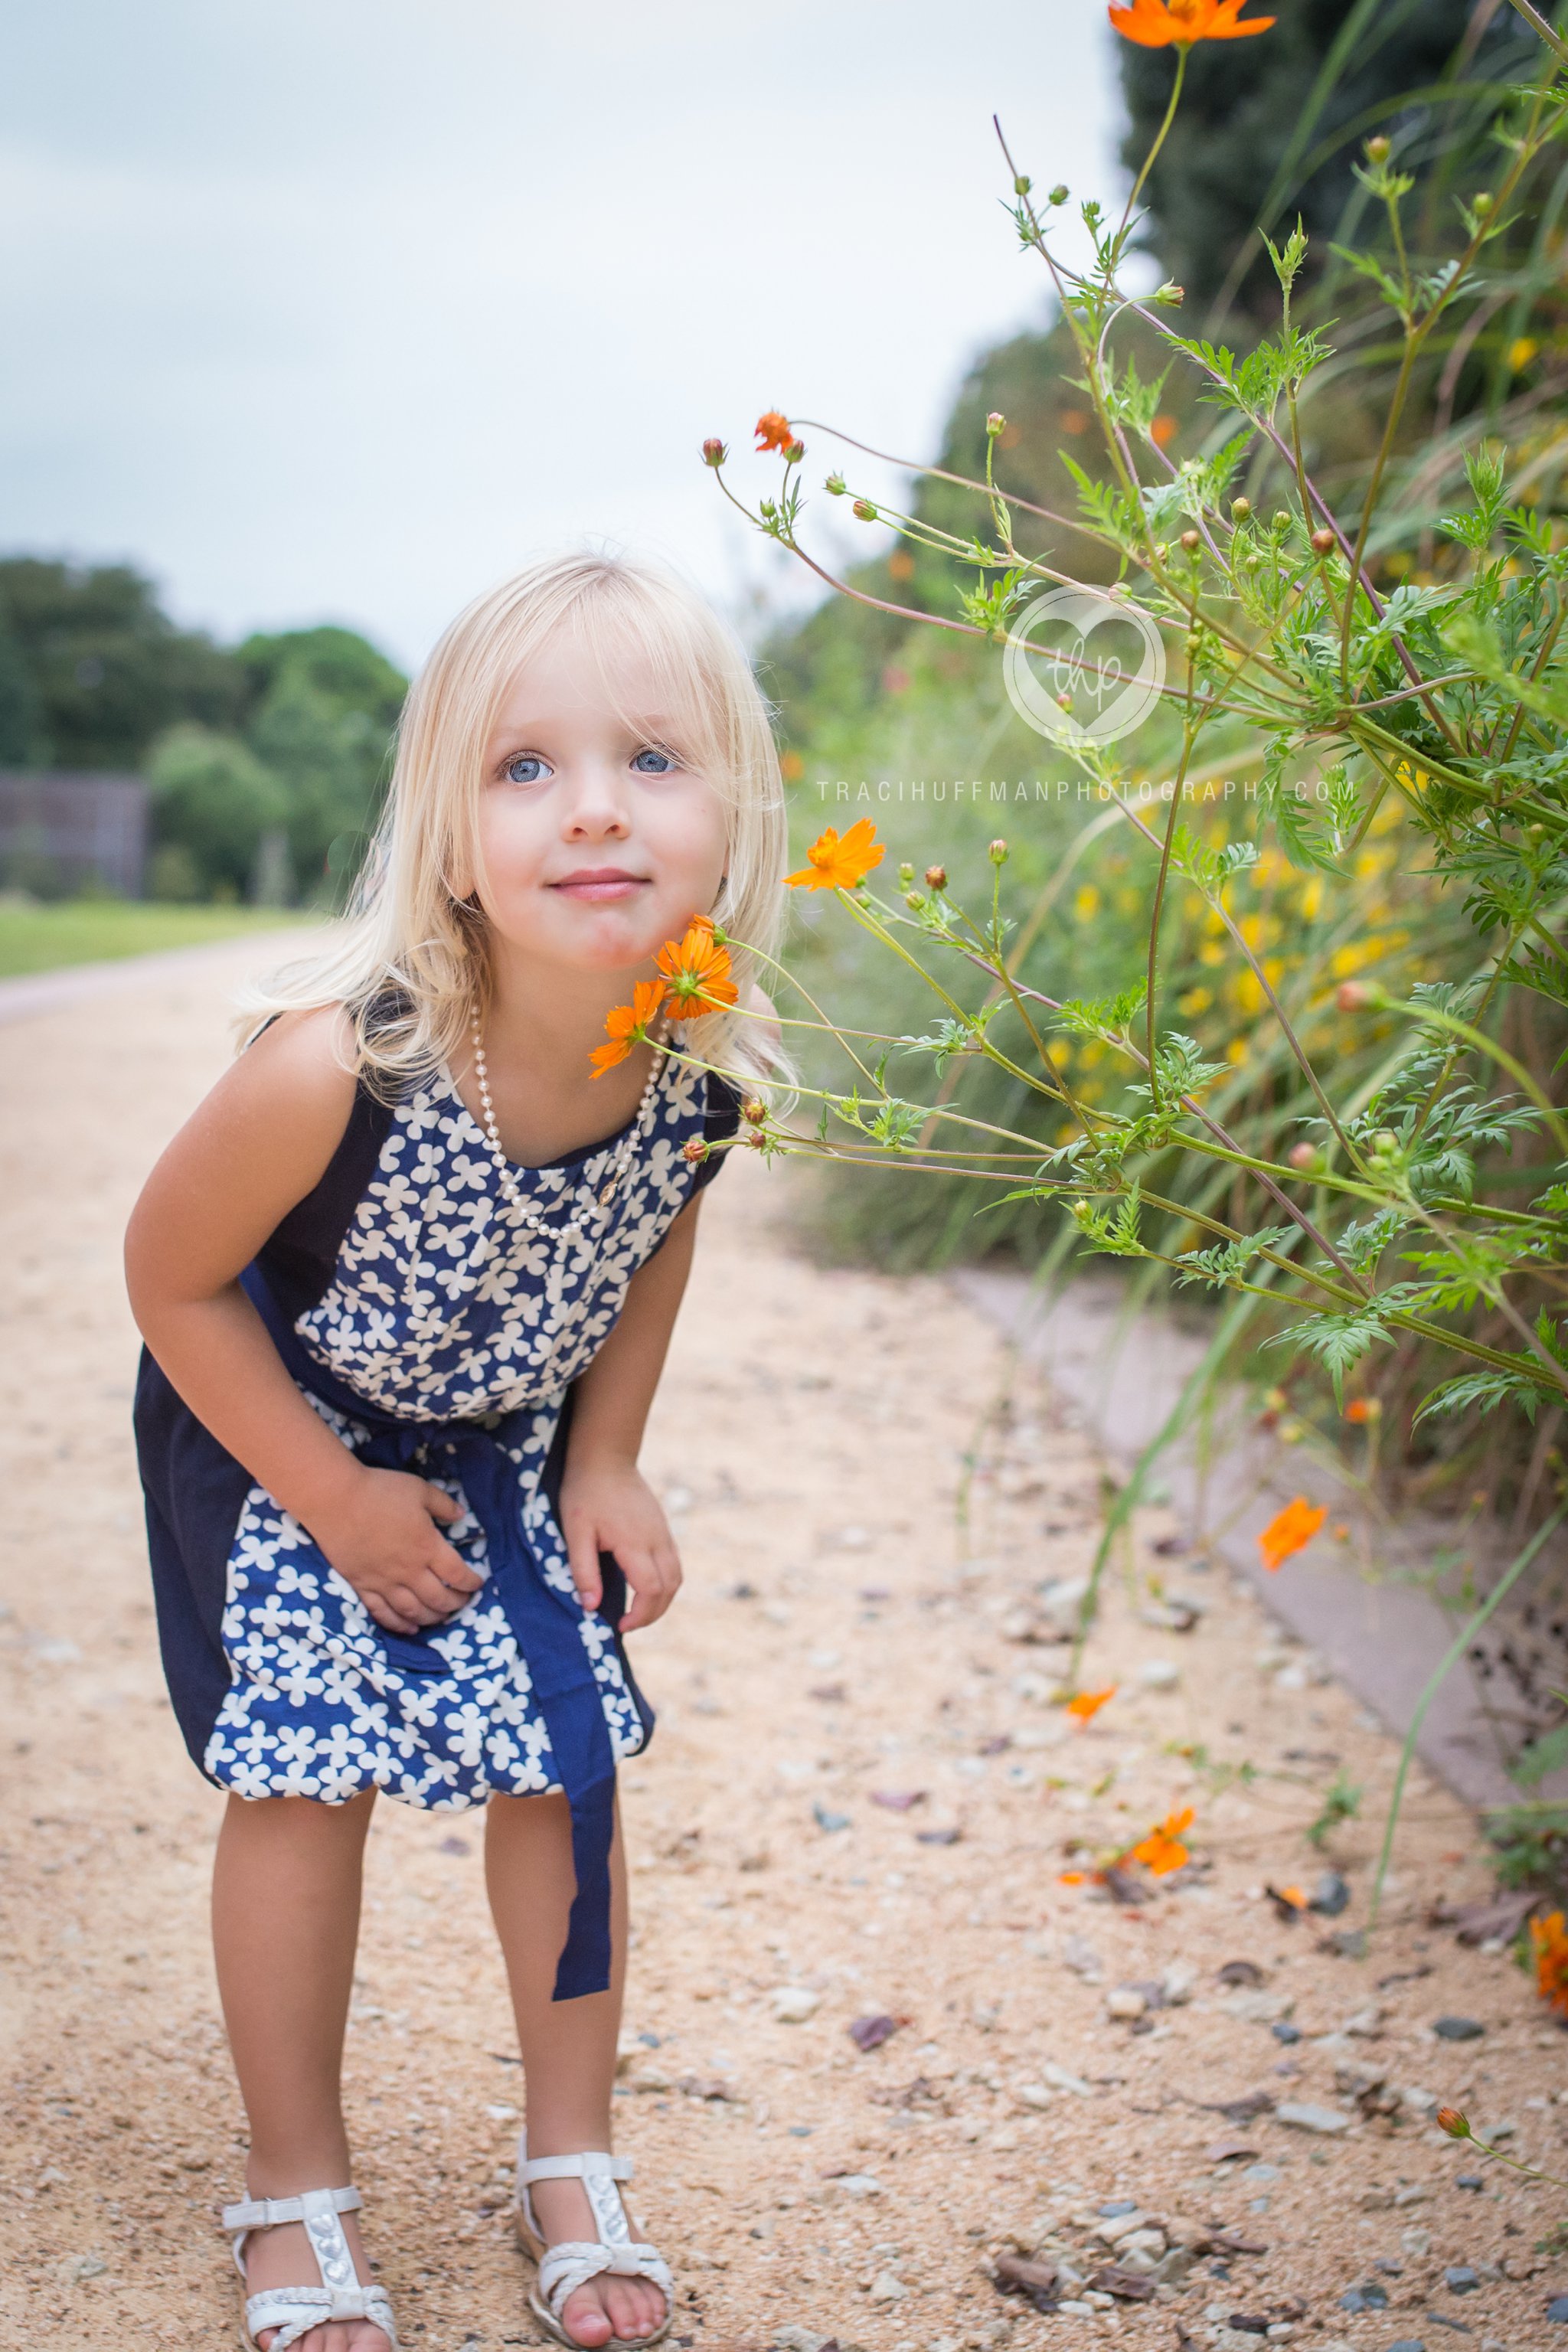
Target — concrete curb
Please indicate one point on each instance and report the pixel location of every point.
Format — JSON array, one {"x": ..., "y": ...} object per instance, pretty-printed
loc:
[{"x": 1124, "y": 1374}]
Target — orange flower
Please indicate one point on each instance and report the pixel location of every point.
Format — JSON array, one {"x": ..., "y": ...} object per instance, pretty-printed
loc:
[
  {"x": 1073, "y": 1878},
  {"x": 1450, "y": 2120},
  {"x": 696, "y": 972},
  {"x": 1548, "y": 1941},
  {"x": 1163, "y": 1851},
  {"x": 1177, "y": 23},
  {"x": 1294, "y": 1899},
  {"x": 776, "y": 432},
  {"x": 1362, "y": 1409},
  {"x": 1290, "y": 1530},
  {"x": 1085, "y": 1704},
  {"x": 838, "y": 864},
  {"x": 628, "y": 1025}
]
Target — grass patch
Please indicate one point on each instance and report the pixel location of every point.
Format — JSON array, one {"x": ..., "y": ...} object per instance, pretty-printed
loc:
[{"x": 41, "y": 938}]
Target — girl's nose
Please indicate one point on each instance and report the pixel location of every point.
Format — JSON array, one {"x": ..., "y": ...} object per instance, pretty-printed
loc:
[{"x": 598, "y": 807}]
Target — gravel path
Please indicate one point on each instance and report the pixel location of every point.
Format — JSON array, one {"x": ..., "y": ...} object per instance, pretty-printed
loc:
[{"x": 838, "y": 1646}]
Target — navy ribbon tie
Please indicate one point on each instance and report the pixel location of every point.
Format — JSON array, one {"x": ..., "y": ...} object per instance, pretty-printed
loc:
[{"x": 546, "y": 1624}]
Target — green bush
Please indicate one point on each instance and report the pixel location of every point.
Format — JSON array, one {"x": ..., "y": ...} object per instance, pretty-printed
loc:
[{"x": 214, "y": 803}]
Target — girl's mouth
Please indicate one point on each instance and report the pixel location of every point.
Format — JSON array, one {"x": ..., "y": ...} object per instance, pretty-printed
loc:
[{"x": 600, "y": 884}]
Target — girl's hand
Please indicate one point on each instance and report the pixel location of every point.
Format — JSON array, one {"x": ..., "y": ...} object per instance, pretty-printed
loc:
[
  {"x": 608, "y": 1506},
  {"x": 383, "y": 1538}
]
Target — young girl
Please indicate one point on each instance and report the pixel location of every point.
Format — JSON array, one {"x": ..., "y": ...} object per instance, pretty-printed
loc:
[{"x": 407, "y": 1280}]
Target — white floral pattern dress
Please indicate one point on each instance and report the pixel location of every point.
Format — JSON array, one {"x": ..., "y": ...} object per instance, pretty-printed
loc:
[{"x": 431, "y": 1328}]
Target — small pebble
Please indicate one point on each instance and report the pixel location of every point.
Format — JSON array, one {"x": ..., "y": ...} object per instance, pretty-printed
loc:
[
  {"x": 794, "y": 2004},
  {"x": 1460, "y": 2279},
  {"x": 1283, "y": 2031},
  {"x": 1458, "y": 2028},
  {"x": 1557, "y": 2311},
  {"x": 1474, "y": 2182},
  {"x": 1303, "y": 2116}
]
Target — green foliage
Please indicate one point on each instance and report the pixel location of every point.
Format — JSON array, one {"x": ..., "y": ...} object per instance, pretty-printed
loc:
[
  {"x": 1342, "y": 1803},
  {"x": 1530, "y": 1846},
  {"x": 1548, "y": 1754},
  {"x": 213, "y": 801},
  {"x": 287, "y": 736},
  {"x": 326, "y": 703},
  {"x": 1152, "y": 1056},
  {"x": 1275, "y": 124},
  {"x": 91, "y": 669}
]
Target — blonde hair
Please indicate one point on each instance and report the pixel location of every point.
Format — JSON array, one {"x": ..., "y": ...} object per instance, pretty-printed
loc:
[{"x": 411, "y": 956}]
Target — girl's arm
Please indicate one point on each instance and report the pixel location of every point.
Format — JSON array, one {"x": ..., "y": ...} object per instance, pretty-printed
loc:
[
  {"x": 606, "y": 1504},
  {"x": 261, "y": 1139}
]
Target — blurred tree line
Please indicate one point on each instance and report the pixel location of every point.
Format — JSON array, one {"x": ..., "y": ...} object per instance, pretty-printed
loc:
[
  {"x": 267, "y": 760},
  {"x": 1270, "y": 130}
]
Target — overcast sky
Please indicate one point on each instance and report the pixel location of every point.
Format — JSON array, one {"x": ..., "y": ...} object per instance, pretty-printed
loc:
[{"x": 338, "y": 309}]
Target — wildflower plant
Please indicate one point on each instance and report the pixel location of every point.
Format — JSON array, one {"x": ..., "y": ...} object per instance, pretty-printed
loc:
[
  {"x": 1381, "y": 657},
  {"x": 1445, "y": 699}
]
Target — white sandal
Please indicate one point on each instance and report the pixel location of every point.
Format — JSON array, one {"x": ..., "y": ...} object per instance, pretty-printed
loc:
[
  {"x": 295, "y": 2310},
  {"x": 573, "y": 2262}
]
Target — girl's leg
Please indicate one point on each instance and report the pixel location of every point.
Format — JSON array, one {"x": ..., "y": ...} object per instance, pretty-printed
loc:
[
  {"x": 568, "y": 2047},
  {"x": 285, "y": 1899}
]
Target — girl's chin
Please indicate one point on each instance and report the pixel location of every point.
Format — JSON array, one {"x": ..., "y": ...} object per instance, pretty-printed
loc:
[{"x": 595, "y": 939}]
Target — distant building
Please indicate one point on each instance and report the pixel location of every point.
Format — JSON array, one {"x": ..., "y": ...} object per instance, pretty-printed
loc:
[{"x": 59, "y": 833}]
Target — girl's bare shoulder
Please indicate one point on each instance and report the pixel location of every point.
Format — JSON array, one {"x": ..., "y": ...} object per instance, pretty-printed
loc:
[
  {"x": 308, "y": 1057},
  {"x": 256, "y": 1143}
]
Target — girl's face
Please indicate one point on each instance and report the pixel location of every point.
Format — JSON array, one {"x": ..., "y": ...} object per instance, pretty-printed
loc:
[{"x": 598, "y": 844}]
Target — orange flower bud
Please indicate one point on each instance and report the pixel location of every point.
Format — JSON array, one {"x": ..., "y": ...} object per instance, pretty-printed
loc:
[
  {"x": 1303, "y": 1155},
  {"x": 1351, "y": 997},
  {"x": 936, "y": 877},
  {"x": 1240, "y": 509},
  {"x": 863, "y": 510},
  {"x": 1192, "y": 542},
  {"x": 1450, "y": 2120},
  {"x": 995, "y": 423},
  {"x": 755, "y": 1110},
  {"x": 1323, "y": 542},
  {"x": 713, "y": 451},
  {"x": 694, "y": 1149},
  {"x": 998, "y": 853}
]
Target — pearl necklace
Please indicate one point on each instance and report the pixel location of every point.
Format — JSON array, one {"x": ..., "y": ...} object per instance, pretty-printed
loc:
[{"x": 533, "y": 1218}]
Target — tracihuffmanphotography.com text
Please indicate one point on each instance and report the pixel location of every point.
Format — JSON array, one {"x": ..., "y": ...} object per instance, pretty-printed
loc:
[{"x": 1052, "y": 791}]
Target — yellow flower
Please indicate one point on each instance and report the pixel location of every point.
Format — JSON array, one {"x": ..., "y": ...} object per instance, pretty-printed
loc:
[
  {"x": 835, "y": 863},
  {"x": 628, "y": 1025},
  {"x": 1290, "y": 1531},
  {"x": 1163, "y": 1851},
  {"x": 695, "y": 971}
]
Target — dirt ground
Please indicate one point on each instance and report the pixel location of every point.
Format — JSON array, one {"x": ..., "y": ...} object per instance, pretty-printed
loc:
[{"x": 838, "y": 1643}]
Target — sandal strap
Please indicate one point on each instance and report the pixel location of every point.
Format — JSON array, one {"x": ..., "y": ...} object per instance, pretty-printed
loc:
[
  {"x": 576, "y": 2260},
  {"x": 267, "y": 2213},
  {"x": 340, "y": 2293},
  {"x": 594, "y": 2164},
  {"x": 295, "y": 2310}
]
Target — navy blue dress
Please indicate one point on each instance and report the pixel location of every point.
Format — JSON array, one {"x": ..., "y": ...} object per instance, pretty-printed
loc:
[{"x": 432, "y": 1330}]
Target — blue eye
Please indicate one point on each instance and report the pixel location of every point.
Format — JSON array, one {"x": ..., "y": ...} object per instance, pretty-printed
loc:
[
  {"x": 527, "y": 768},
  {"x": 666, "y": 761}
]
